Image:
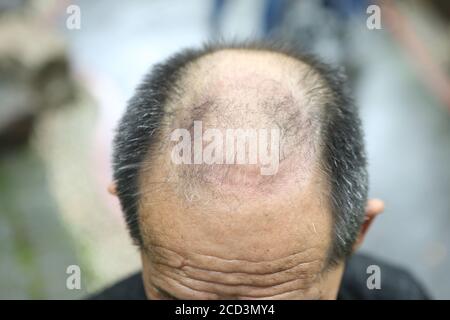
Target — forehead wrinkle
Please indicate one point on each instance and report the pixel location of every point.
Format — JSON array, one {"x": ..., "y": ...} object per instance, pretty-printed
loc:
[
  {"x": 250, "y": 280},
  {"x": 207, "y": 262},
  {"x": 234, "y": 278},
  {"x": 304, "y": 270},
  {"x": 298, "y": 283}
]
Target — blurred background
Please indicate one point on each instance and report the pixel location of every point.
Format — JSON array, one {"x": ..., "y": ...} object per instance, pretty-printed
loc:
[{"x": 67, "y": 69}]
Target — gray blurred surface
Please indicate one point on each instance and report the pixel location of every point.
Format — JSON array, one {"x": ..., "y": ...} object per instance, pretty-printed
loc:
[{"x": 35, "y": 248}]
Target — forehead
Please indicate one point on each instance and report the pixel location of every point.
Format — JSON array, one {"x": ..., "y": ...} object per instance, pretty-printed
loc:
[
  {"x": 248, "y": 248},
  {"x": 235, "y": 225}
]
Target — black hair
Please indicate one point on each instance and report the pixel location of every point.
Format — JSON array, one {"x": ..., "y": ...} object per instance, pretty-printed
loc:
[{"x": 343, "y": 156}]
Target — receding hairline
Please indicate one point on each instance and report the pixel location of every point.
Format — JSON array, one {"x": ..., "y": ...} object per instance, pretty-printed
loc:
[{"x": 195, "y": 69}]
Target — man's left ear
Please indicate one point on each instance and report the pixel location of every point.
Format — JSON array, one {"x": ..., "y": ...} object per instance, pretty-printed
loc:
[
  {"x": 373, "y": 208},
  {"x": 112, "y": 188}
]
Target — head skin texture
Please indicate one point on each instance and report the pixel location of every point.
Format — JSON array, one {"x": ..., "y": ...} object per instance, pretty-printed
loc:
[{"x": 225, "y": 231}]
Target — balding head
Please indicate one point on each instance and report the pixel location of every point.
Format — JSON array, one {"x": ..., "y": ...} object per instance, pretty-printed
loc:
[{"x": 241, "y": 172}]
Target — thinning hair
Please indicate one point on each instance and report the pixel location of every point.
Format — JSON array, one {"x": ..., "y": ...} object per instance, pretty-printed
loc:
[{"x": 342, "y": 153}]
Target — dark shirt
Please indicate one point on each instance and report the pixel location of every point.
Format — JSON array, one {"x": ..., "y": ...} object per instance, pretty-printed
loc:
[{"x": 396, "y": 283}]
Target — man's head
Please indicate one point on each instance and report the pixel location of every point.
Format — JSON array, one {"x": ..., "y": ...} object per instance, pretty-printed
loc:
[{"x": 241, "y": 171}]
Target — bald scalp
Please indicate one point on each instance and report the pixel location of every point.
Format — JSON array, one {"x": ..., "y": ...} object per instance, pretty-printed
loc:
[{"x": 244, "y": 92}]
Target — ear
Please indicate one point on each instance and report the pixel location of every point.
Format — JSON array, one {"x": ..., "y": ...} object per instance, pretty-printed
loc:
[
  {"x": 112, "y": 189},
  {"x": 373, "y": 208}
]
